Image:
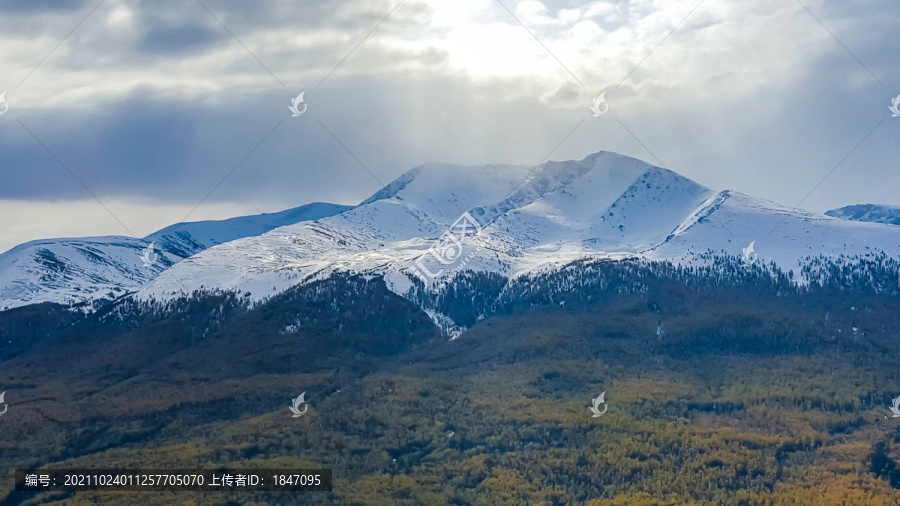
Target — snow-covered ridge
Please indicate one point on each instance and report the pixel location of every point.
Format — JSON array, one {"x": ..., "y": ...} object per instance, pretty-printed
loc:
[
  {"x": 873, "y": 213},
  {"x": 77, "y": 270},
  {"x": 189, "y": 238}
]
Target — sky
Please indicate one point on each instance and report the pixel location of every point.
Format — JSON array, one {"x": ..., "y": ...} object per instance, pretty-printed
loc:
[{"x": 125, "y": 116}]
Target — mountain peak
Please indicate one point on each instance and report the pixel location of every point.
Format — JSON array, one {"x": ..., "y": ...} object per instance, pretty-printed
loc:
[
  {"x": 873, "y": 213},
  {"x": 428, "y": 179}
]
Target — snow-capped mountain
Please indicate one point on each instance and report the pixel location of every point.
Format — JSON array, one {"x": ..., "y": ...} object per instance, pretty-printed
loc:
[
  {"x": 83, "y": 269},
  {"x": 528, "y": 219},
  {"x": 873, "y": 213},
  {"x": 605, "y": 206}
]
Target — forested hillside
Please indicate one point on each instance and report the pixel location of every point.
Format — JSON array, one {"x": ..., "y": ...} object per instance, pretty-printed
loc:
[{"x": 726, "y": 383}]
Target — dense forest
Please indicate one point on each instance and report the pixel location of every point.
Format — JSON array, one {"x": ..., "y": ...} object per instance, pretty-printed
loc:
[{"x": 726, "y": 383}]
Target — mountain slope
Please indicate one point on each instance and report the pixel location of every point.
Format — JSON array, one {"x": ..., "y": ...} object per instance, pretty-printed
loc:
[
  {"x": 731, "y": 221},
  {"x": 394, "y": 225},
  {"x": 874, "y": 213},
  {"x": 76, "y": 270},
  {"x": 70, "y": 271}
]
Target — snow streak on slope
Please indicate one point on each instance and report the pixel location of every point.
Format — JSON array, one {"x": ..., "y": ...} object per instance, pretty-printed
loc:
[{"x": 71, "y": 271}]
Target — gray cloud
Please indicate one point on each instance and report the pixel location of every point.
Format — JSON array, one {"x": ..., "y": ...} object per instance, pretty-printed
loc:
[
  {"x": 178, "y": 40},
  {"x": 40, "y": 6},
  {"x": 151, "y": 148},
  {"x": 155, "y": 101}
]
